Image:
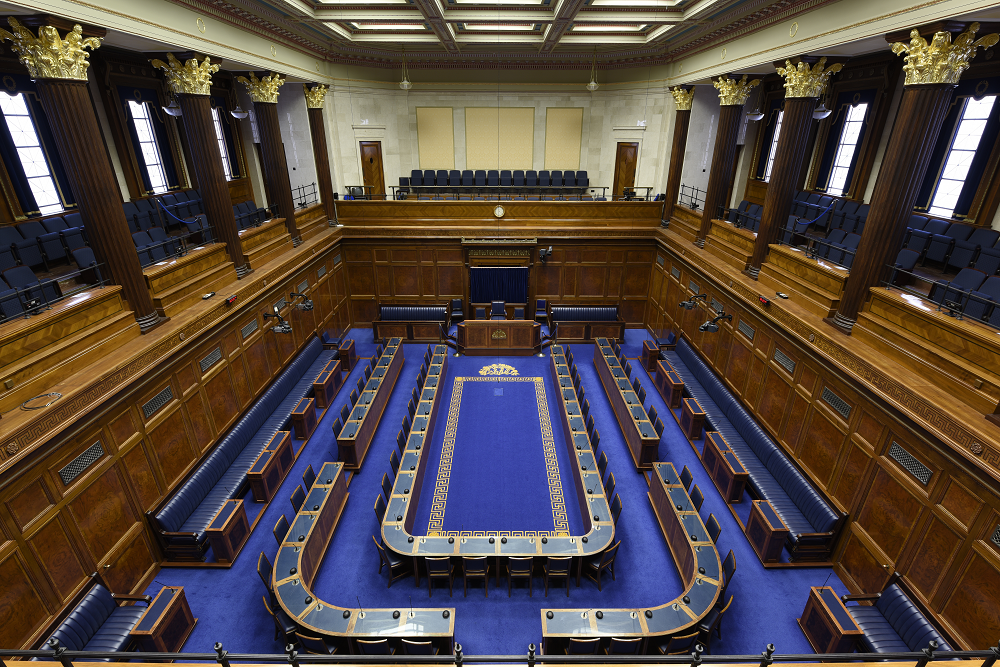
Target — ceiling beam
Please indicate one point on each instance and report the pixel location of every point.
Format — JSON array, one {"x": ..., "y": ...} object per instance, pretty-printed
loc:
[
  {"x": 431, "y": 9},
  {"x": 389, "y": 13},
  {"x": 566, "y": 11}
]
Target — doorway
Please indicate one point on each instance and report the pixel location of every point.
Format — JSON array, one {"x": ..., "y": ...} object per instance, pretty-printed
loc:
[
  {"x": 625, "y": 160},
  {"x": 371, "y": 169}
]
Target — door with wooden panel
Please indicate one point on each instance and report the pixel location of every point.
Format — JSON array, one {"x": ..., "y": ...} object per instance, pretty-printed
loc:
[
  {"x": 371, "y": 168},
  {"x": 625, "y": 161}
]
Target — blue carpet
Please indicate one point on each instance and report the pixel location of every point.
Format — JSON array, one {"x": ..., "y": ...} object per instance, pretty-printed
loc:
[
  {"x": 506, "y": 467},
  {"x": 767, "y": 602}
]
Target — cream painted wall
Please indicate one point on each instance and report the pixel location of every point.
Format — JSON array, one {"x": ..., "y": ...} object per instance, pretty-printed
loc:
[
  {"x": 701, "y": 137},
  {"x": 293, "y": 118}
]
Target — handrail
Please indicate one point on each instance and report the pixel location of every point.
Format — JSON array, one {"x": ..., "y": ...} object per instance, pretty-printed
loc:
[
  {"x": 486, "y": 190},
  {"x": 695, "y": 197},
  {"x": 955, "y": 309},
  {"x": 305, "y": 197},
  {"x": 34, "y": 306}
]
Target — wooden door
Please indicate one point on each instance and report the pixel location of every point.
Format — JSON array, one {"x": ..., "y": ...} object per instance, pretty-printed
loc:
[
  {"x": 371, "y": 168},
  {"x": 625, "y": 159}
]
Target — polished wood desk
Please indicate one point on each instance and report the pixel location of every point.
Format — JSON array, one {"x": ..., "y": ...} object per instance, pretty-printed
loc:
[
  {"x": 669, "y": 383},
  {"x": 650, "y": 355},
  {"x": 697, "y": 561},
  {"x": 765, "y": 531},
  {"x": 228, "y": 530},
  {"x": 270, "y": 468},
  {"x": 298, "y": 561},
  {"x": 827, "y": 623},
  {"x": 513, "y": 337},
  {"x": 724, "y": 467},
  {"x": 357, "y": 433},
  {"x": 327, "y": 384},
  {"x": 348, "y": 356},
  {"x": 166, "y": 624},
  {"x": 304, "y": 420},
  {"x": 692, "y": 418},
  {"x": 635, "y": 424}
]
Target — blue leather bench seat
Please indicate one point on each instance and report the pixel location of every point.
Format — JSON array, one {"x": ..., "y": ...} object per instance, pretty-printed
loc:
[
  {"x": 812, "y": 523},
  {"x": 584, "y": 313},
  {"x": 223, "y": 474},
  {"x": 413, "y": 313},
  {"x": 98, "y": 624},
  {"x": 895, "y": 625}
]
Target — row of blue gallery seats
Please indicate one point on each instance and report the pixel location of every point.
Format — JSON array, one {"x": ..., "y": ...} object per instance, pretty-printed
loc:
[{"x": 483, "y": 178}]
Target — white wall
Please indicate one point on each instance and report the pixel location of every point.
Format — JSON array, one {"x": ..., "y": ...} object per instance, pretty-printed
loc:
[
  {"x": 701, "y": 137},
  {"x": 293, "y": 118}
]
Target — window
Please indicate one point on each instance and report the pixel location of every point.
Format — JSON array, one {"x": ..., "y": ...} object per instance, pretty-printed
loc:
[
  {"x": 151, "y": 156},
  {"x": 960, "y": 155},
  {"x": 774, "y": 146},
  {"x": 29, "y": 151},
  {"x": 846, "y": 146},
  {"x": 223, "y": 151}
]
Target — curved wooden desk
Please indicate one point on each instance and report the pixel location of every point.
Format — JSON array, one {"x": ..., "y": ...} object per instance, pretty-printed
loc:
[
  {"x": 298, "y": 561},
  {"x": 357, "y": 433},
  {"x": 697, "y": 561}
]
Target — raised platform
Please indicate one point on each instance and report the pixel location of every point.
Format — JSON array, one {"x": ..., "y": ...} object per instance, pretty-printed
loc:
[
  {"x": 311, "y": 220},
  {"x": 730, "y": 244},
  {"x": 685, "y": 223},
  {"x": 817, "y": 284},
  {"x": 177, "y": 283},
  {"x": 264, "y": 243}
]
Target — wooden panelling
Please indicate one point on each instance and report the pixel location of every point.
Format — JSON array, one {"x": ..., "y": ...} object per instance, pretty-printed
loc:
[
  {"x": 201, "y": 426},
  {"x": 256, "y": 358},
  {"x": 937, "y": 547},
  {"x": 29, "y": 503},
  {"x": 132, "y": 563},
  {"x": 960, "y": 503},
  {"x": 852, "y": 474},
  {"x": 122, "y": 428},
  {"x": 172, "y": 447},
  {"x": 973, "y": 609},
  {"x": 53, "y": 549},
  {"x": 822, "y": 443},
  {"x": 102, "y": 513},
  {"x": 773, "y": 399},
  {"x": 140, "y": 472},
  {"x": 222, "y": 398},
  {"x": 866, "y": 572},
  {"x": 889, "y": 513},
  {"x": 22, "y": 609}
]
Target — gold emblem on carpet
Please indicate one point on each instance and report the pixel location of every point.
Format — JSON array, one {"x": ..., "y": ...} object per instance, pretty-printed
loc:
[{"x": 498, "y": 369}]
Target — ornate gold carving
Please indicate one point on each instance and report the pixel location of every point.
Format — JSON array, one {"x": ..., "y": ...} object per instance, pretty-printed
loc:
[
  {"x": 941, "y": 61},
  {"x": 264, "y": 89},
  {"x": 804, "y": 81},
  {"x": 499, "y": 334},
  {"x": 520, "y": 241},
  {"x": 499, "y": 252},
  {"x": 682, "y": 98},
  {"x": 498, "y": 369},
  {"x": 12, "y": 448},
  {"x": 188, "y": 78},
  {"x": 48, "y": 56},
  {"x": 733, "y": 92},
  {"x": 315, "y": 96}
]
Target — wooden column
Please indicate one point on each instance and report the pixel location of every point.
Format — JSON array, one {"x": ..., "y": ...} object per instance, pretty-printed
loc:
[
  {"x": 70, "y": 114},
  {"x": 207, "y": 159},
  {"x": 793, "y": 141},
  {"x": 681, "y": 123},
  {"x": 272, "y": 150},
  {"x": 922, "y": 111},
  {"x": 722, "y": 166},
  {"x": 322, "y": 156}
]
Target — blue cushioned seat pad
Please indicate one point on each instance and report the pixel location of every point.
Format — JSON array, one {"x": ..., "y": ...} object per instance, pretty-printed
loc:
[
  {"x": 895, "y": 624},
  {"x": 98, "y": 624}
]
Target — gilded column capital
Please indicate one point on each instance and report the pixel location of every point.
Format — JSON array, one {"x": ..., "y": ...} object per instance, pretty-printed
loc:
[
  {"x": 315, "y": 96},
  {"x": 682, "y": 98},
  {"x": 941, "y": 61},
  {"x": 804, "y": 81},
  {"x": 733, "y": 92},
  {"x": 264, "y": 89},
  {"x": 189, "y": 78},
  {"x": 48, "y": 56}
]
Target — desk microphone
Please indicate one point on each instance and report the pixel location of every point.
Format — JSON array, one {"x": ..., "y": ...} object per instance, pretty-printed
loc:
[
  {"x": 359, "y": 605},
  {"x": 827, "y": 579}
]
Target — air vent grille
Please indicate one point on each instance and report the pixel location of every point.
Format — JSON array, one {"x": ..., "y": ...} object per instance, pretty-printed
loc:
[
  {"x": 693, "y": 286},
  {"x": 321, "y": 271},
  {"x": 152, "y": 405},
  {"x": 303, "y": 286},
  {"x": 660, "y": 260},
  {"x": 280, "y": 303},
  {"x": 746, "y": 329},
  {"x": 837, "y": 403},
  {"x": 675, "y": 272},
  {"x": 73, "y": 469},
  {"x": 210, "y": 359},
  {"x": 717, "y": 307},
  {"x": 336, "y": 259},
  {"x": 249, "y": 328},
  {"x": 912, "y": 465},
  {"x": 995, "y": 537},
  {"x": 785, "y": 361}
]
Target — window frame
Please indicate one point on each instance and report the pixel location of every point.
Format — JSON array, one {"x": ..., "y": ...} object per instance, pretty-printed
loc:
[
  {"x": 49, "y": 170},
  {"x": 141, "y": 159}
]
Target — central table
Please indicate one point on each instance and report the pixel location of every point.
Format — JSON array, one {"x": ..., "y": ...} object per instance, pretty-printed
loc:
[
  {"x": 635, "y": 424},
  {"x": 513, "y": 337},
  {"x": 357, "y": 433}
]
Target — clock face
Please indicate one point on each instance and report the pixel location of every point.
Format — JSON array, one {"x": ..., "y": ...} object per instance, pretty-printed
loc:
[{"x": 498, "y": 211}]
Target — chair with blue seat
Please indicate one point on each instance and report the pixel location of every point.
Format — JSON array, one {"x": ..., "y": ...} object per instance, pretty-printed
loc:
[
  {"x": 505, "y": 178},
  {"x": 544, "y": 179},
  {"x": 894, "y": 624},
  {"x": 280, "y": 530},
  {"x": 51, "y": 241},
  {"x": 569, "y": 178},
  {"x": 940, "y": 246},
  {"x": 965, "y": 252},
  {"x": 480, "y": 178},
  {"x": 416, "y": 178},
  {"x": 955, "y": 290},
  {"x": 556, "y": 178},
  {"x": 531, "y": 178},
  {"x": 457, "y": 310},
  {"x": 838, "y": 216},
  {"x": 74, "y": 235},
  {"x": 454, "y": 178},
  {"x": 441, "y": 179},
  {"x": 594, "y": 565},
  {"x": 732, "y": 214},
  {"x": 429, "y": 177},
  {"x": 468, "y": 179},
  {"x": 497, "y": 311},
  {"x": 517, "y": 178},
  {"x": 492, "y": 178},
  {"x": 480, "y": 313},
  {"x": 541, "y": 310},
  {"x": 906, "y": 261},
  {"x": 983, "y": 306},
  {"x": 33, "y": 292},
  {"x": 582, "y": 180},
  {"x": 919, "y": 239},
  {"x": 25, "y": 244}
]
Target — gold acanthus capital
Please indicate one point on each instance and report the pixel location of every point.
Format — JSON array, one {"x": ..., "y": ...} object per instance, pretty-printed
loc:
[
  {"x": 682, "y": 98},
  {"x": 315, "y": 96},
  {"x": 941, "y": 61},
  {"x": 188, "y": 78},
  {"x": 804, "y": 81},
  {"x": 264, "y": 89},
  {"x": 48, "y": 56},
  {"x": 733, "y": 92}
]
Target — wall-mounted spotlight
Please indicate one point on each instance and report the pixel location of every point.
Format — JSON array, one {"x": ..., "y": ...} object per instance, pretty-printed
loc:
[
  {"x": 689, "y": 304},
  {"x": 711, "y": 326},
  {"x": 544, "y": 254},
  {"x": 239, "y": 113},
  {"x": 282, "y": 326},
  {"x": 306, "y": 304}
]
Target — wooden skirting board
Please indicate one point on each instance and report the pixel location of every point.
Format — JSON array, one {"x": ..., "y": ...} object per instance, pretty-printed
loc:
[{"x": 177, "y": 283}]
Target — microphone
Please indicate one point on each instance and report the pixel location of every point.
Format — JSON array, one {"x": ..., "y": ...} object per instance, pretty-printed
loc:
[{"x": 359, "y": 605}]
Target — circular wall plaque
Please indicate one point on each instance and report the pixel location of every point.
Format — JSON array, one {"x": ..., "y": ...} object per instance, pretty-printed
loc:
[{"x": 498, "y": 211}]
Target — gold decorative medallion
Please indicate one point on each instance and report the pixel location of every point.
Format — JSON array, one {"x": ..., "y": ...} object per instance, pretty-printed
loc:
[
  {"x": 498, "y": 369},
  {"x": 733, "y": 92},
  {"x": 804, "y": 81},
  {"x": 264, "y": 89},
  {"x": 48, "y": 56},
  {"x": 498, "y": 211},
  {"x": 189, "y": 78},
  {"x": 941, "y": 61},
  {"x": 315, "y": 96},
  {"x": 793, "y": 29},
  {"x": 200, "y": 22},
  {"x": 499, "y": 334},
  {"x": 682, "y": 98},
  {"x": 12, "y": 448}
]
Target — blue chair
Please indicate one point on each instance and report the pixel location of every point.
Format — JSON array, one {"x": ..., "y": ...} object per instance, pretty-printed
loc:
[
  {"x": 468, "y": 180},
  {"x": 492, "y": 178},
  {"x": 569, "y": 178},
  {"x": 581, "y": 179},
  {"x": 518, "y": 178},
  {"x": 480, "y": 178},
  {"x": 531, "y": 178},
  {"x": 497, "y": 311},
  {"x": 505, "y": 178},
  {"x": 540, "y": 309},
  {"x": 454, "y": 178},
  {"x": 100, "y": 623},
  {"x": 416, "y": 178},
  {"x": 544, "y": 179},
  {"x": 442, "y": 177},
  {"x": 557, "y": 178}
]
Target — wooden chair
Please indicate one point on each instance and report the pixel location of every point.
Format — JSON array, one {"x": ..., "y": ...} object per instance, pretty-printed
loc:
[
  {"x": 583, "y": 646},
  {"x": 386, "y": 488},
  {"x": 652, "y": 413},
  {"x": 711, "y": 624},
  {"x": 594, "y": 565},
  {"x": 374, "y": 647},
  {"x": 557, "y": 567},
  {"x": 338, "y": 426},
  {"x": 280, "y": 529},
  {"x": 406, "y": 426},
  {"x": 609, "y": 485},
  {"x": 264, "y": 571},
  {"x": 697, "y": 498},
  {"x": 585, "y": 408},
  {"x": 400, "y": 441},
  {"x": 602, "y": 464},
  {"x": 414, "y": 394},
  {"x": 616, "y": 508},
  {"x": 411, "y": 408},
  {"x": 642, "y": 395},
  {"x": 298, "y": 497},
  {"x": 590, "y": 425},
  {"x": 439, "y": 568},
  {"x": 480, "y": 313},
  {"x": 345, "y": 413},
  {"x": 658, "y": 427},
  {"x": 713, "y": 528},
  {"x": 679, "y": 645},
  {"x": 686, "y": 478},
  {"x": 394, "y": 463},
  {"x": 519, "y": 568},
  {"x": 628, "y": 370},
  {"x": 519, "y": 313},
  {"x": 411, "y": 647},
  {"x": 619, "y": 646},
  {"x": 283, "y": 624},
  {"x": 728, "y": 570},
  {"x": 354, "y": 397},
  {"x": 379, "y": 508},
  {"x": 361, "y": 385},
  {"x": 309, "y": 477},
  {"x": 595, "y": 440},
  {"x": 399, "y": 566},
  {"x": 476, "y": 568},
  {"x": 315, "y": 645}
]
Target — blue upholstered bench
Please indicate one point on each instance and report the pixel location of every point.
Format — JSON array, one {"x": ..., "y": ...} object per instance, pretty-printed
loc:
[
  {"x": 413, "y": 313},
  {"x": 181, "y": 522},
  {"x": 98, "y": 623},
  {"x": 583, "y": 323},
  {"x": 893, "y": 624},
  {"x": 411, "y": 323},
  {"x": 812, "y": 522}
]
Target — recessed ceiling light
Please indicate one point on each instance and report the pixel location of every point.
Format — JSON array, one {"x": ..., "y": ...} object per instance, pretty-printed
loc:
[
  {"x": 388, "y": 26},
  {"x": 366, "y": 2},
  {"x": 499, "y": 27},
  {"x": 497, "y": 2},
  {"x": 633, "y": 3},
  {"x": 607, "y": 28}
]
